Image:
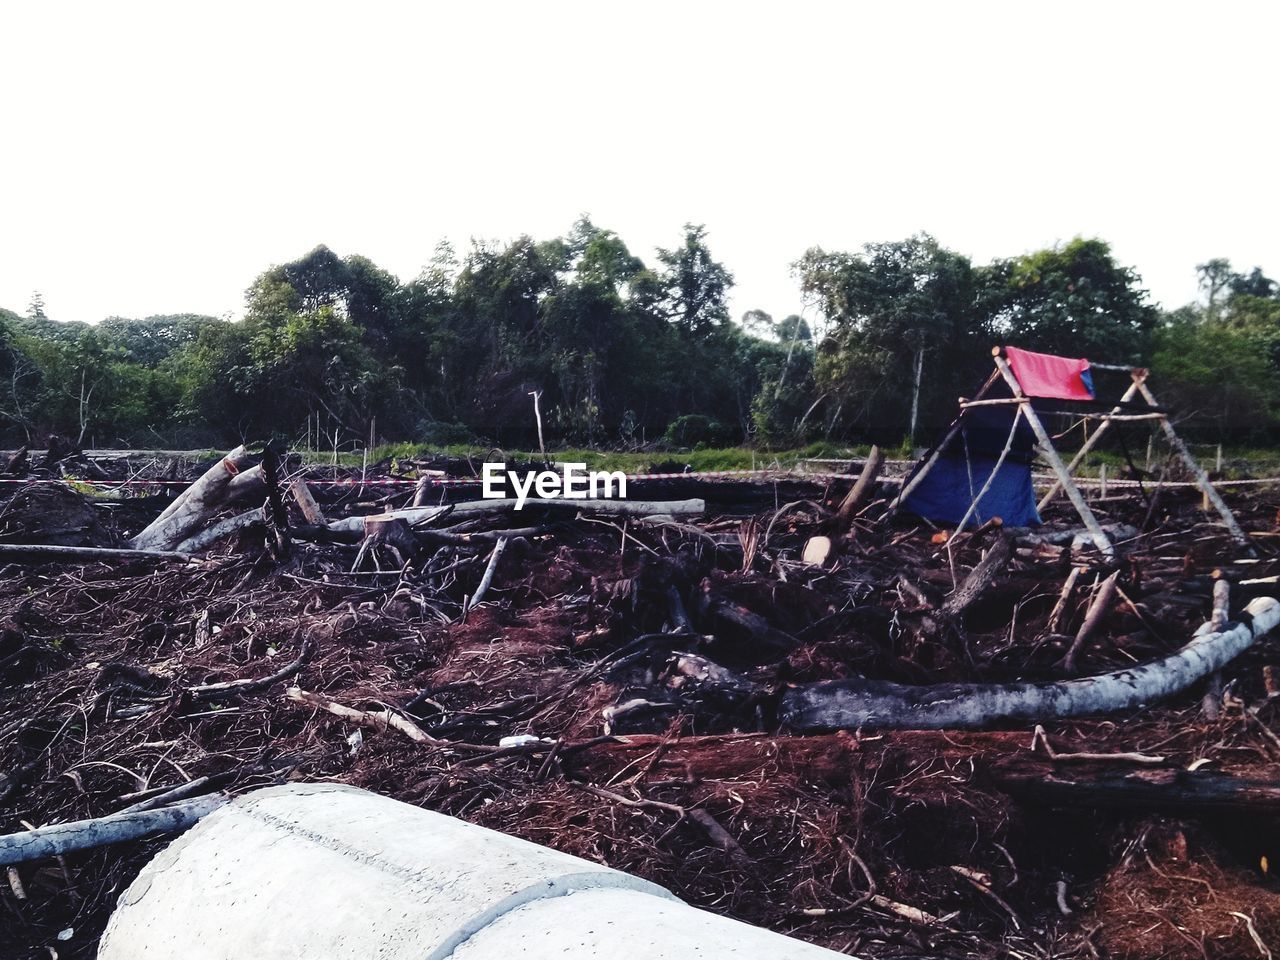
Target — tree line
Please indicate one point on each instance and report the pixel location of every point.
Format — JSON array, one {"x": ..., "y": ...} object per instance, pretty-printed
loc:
[{"x": 621, "y": 352}]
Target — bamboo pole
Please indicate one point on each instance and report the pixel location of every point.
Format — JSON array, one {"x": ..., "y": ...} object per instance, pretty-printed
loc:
[
  {"x": 1090, "y": 442},
  {"x": 973, "y": 506},
  {"x": 1201, "y": 479},
  {"x": 1055, "y": 462},
  {"x": 936, "y": 453}
]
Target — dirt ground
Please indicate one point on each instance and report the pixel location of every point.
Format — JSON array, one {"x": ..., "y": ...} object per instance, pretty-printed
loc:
[{"x": 877, "y": 843}]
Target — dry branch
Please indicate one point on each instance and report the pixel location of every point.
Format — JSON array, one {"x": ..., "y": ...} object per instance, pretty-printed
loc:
[
  {"x": 1092, "y": 620},
  {"x": 117, "y": 828},
  {"x": 311, "y": 511},
  {"x": 380, "y": 720}
]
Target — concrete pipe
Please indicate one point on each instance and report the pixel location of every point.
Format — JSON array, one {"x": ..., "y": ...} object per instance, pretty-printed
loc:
[{"x": 328, "y": 872}]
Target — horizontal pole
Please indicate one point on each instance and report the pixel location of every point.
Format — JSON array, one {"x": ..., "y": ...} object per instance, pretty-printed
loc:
[
  {"x": 966, "y": 404},
  {"x": 1124, "y": 416}
]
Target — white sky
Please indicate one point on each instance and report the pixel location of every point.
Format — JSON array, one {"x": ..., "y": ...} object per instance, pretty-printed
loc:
[{"x": 155, "y": 158}]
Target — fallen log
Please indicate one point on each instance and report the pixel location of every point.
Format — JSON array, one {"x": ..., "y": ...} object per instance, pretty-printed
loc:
[
  {"x": 617, "y": 508},
  {"x": 970, "y": 589},
  {"x": 117, "y": 828},
  {"x": 850, "y": 704},
  {"x": 248, "y": 485},
  {"x": 1044, "y": 782},
  {"x": 38, "y": 552},
  {"x": 1078, "y": 537},
  {"x": 182, "y": 517},
  {"x": 724, "y": 612},
  {"x": 696, "y": 674},
  {"x": 223, "y": 528}
]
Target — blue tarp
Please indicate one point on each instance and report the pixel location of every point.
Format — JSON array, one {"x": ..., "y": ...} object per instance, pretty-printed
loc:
[{"x": 950, "y": 486}]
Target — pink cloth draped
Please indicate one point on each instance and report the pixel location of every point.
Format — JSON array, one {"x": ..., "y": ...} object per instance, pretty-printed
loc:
[{"x": 1044, "y": 375}]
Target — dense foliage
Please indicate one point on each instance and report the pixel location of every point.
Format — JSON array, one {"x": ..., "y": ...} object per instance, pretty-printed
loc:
[{"x": 333, "y": 350}]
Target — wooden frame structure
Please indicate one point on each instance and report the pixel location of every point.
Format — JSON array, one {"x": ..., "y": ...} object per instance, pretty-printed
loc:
[{"x": 1123, "y": 410}]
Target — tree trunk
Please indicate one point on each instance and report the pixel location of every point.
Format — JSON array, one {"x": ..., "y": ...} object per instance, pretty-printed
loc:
[
  {"x": 616, "y": 508},
  {"x": 915, "y": 392},
  {"x": 42, "y": 552}
]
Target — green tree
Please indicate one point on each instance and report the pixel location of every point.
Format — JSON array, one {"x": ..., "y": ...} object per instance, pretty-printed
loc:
[
  {"x": 1215, "y": 278},
  {"x": 694, "y": 285},
  {"x": 892, "y": 307},
  {"x": 1073, "y": 300}
]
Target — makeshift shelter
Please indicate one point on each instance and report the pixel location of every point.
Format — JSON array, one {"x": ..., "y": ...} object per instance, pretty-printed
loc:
[{"x": 981, "y": 469}]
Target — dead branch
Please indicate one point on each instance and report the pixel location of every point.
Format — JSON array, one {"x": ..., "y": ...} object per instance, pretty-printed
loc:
[
  {"x": 117, "y": 828},
  {"x": 311, "y": 511},
  {"x": 1092, "y": 620}
]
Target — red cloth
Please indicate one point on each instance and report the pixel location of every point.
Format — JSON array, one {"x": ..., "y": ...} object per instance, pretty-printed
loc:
[{"x": 1044, "y": 375}]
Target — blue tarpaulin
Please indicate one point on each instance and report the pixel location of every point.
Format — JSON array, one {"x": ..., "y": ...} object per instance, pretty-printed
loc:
[{"x": 950, "y": 486}]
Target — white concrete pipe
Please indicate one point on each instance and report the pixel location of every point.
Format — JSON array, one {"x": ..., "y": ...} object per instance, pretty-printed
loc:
[{"x": 328, "y": 872}]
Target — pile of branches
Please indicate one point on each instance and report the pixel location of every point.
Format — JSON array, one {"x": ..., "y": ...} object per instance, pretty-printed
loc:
[{"x": 847, "y": 726}]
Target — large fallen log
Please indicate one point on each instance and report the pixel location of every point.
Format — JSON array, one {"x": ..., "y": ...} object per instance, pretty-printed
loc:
[
  {"x": 849, "y": 704},
  {"x": 207, "y": 537},
  {"x": 182, "y": 517},
  {"x": 247, "y": 486},
  {"x": 1035, "y": 780},
  {"x": 615, "y": 508}
]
